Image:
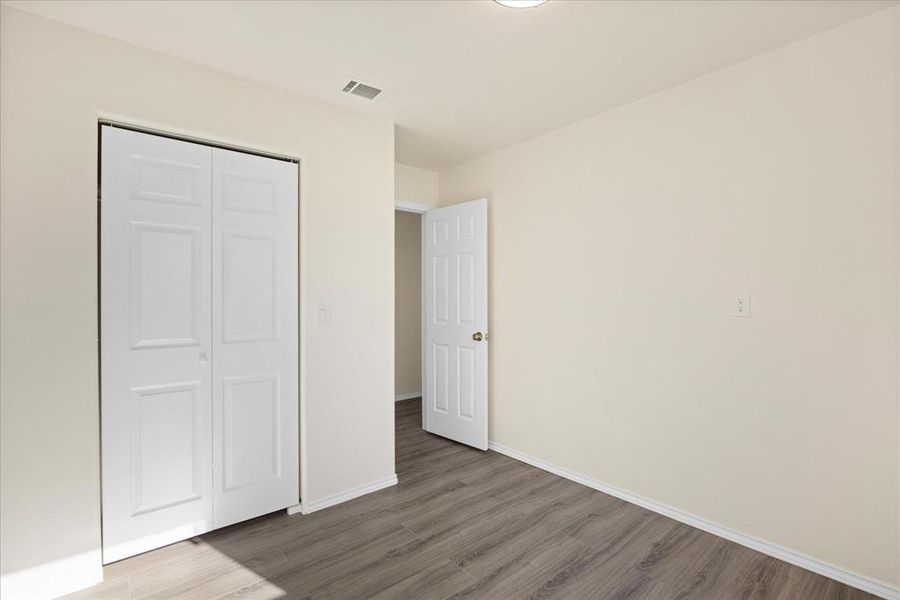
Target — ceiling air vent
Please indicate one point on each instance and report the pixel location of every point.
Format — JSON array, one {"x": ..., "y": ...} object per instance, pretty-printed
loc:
[{"x": 362, "y": 90}]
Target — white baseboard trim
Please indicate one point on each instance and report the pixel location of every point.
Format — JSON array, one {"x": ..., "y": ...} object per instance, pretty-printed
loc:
[
  {"x": 861, "y": 582},
  {"x": 408, "y": 396},
  {"x": 54, "y": 579},
  {"x": 295, "y": 509},
  {"x": 311, "y": 507}
]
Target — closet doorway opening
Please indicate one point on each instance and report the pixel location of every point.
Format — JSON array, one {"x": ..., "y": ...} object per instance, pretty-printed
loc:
[{"x": 199, "y": 337}]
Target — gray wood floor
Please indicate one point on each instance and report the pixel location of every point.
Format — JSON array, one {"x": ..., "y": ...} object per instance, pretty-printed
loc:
[{"x": 463, "y": 524}]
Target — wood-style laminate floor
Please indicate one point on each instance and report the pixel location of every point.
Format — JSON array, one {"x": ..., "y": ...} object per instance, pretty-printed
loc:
[{"x": 463, "y": 524}]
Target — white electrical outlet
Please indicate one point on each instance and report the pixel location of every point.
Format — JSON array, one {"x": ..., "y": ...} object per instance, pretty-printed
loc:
[{"x": 741, "y": 305}]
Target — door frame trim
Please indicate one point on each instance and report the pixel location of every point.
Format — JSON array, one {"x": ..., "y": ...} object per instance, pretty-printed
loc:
[
  {"x": 413, "y": 207},
  {"x": 193, "y": 138}
]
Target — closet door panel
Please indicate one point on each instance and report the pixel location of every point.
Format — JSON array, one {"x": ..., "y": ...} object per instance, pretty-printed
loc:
[
  {"x": 255, "y": 336},
  {"x": 155, "y": 340}
]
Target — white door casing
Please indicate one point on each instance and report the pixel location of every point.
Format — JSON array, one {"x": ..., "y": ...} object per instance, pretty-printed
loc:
[
  {"x": 255, "y": 336},
  {"x": 199, "y": 339},
  {"x": 155, "y": 341},
  {"x": 455, "y": 345}
]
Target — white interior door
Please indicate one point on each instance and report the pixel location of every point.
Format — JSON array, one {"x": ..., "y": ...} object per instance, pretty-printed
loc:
[
  {"x": 199, "y": 339},
  {"x": 155, "y": 320},
  {"x": 255, "y": 341},
  {"x": 456, "y": 323}
]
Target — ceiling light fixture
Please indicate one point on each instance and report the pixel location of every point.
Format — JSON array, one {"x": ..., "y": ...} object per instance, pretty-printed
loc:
[{"x": 520, "y": 3}]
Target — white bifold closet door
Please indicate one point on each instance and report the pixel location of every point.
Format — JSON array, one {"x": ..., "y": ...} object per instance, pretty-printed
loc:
[{"x": 199, "y": 344}]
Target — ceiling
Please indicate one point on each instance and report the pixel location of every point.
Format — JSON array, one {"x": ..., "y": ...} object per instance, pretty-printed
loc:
[{"x": 463, "y": 78}]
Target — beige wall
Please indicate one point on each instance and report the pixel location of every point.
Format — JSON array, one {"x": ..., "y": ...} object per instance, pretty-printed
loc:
[
  {"x": 408, "y": 303},
  {"x": 416, "y": 185},
  {"x": 616, "y": 246},
  {"x": 56, "y": 81}
]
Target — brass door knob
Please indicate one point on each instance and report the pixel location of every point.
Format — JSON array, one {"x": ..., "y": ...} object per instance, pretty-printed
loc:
[{"x": 477, "y": 336}]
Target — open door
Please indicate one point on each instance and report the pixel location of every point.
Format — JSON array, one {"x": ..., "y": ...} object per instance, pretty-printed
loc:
[{"x": 454, "y": 294}]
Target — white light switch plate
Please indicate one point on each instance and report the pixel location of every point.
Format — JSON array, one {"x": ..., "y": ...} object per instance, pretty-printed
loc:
[
  {"x": 323, "y": 314},
  {"x": 741, "y": 305}
]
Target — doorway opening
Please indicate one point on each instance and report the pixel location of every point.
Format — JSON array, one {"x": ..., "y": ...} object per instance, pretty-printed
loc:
[
  {"x": 408, "y": 384},
  {"x": 441, "y": 317},
  {"x": 199, "y": 337}
]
